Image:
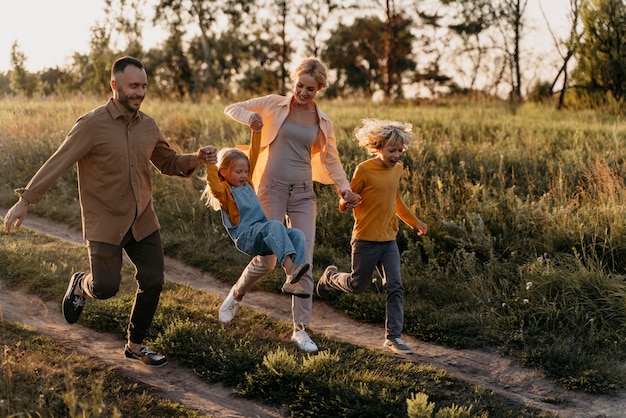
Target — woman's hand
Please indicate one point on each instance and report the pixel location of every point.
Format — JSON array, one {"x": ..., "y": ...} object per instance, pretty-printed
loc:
[{"x": 256, "y": 122}]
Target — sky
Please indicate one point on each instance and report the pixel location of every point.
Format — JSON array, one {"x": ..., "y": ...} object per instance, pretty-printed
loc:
[{"x": 50, "y": 32}]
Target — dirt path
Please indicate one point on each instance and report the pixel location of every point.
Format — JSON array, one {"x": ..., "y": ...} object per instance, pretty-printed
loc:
[{"x": 501, "y": 375}]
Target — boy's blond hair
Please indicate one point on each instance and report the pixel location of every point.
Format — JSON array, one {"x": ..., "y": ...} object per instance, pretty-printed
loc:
[
  {"x": 226, "y": 158},
  {"x": 373, "y": 134}
]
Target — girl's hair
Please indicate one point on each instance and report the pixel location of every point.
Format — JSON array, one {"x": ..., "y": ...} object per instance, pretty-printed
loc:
[
  {"x": 226, "y": 159},
  {"x": 314, "y": 68},
  {"x": 375, "y": 133}
]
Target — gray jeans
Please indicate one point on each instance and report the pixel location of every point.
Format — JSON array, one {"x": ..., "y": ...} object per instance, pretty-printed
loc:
[{"x": 384, "y": 257}]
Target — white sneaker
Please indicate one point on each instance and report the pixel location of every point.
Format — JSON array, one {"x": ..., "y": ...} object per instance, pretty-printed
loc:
[
  {"x": 229, "y": 307},
  {"x": 303, "y": 341}
]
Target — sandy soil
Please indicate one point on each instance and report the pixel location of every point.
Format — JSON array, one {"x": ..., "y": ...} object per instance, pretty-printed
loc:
[{"x": 501, "y": 375}]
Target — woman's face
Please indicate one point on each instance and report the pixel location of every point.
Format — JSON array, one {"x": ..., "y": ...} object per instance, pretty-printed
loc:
[{"x": 305, "y": 89}]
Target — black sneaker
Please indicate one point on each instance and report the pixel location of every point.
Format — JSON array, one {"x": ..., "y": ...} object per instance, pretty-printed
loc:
[
  {"x": 146, "y": 356},
  {"x": 322, "y": 288},
  {"x": 72, "y": 305}
]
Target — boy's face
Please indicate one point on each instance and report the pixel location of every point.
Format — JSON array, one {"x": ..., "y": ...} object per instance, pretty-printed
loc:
[
  {"x": 390, "y": 153},
  {"x": 237, "y": 175}
]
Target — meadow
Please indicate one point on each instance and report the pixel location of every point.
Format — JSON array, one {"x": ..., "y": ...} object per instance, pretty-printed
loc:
[{"x": 525, "y": 251}]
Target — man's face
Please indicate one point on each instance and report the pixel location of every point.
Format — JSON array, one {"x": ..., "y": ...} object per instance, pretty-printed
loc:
[{"x": 129, "y": 88}]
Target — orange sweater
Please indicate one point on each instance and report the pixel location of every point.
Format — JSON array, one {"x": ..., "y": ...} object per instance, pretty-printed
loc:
[{"x": 375, "y": 216}]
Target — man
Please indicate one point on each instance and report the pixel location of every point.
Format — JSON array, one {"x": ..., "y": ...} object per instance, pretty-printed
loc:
[{"x": 113, "y": 146}]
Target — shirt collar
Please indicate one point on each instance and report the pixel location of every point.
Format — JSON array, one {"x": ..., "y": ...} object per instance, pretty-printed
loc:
[{"x": 115, "y": 112}]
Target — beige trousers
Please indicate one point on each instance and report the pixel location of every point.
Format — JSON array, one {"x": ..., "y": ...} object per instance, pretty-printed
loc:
[{"x": 296, "y": 205}]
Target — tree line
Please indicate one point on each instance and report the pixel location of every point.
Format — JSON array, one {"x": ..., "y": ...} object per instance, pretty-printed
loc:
[{"x": 395, "y": 49}]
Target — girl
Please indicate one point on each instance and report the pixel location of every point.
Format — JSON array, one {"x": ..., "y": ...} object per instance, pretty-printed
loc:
[
  {"x": 376, "y": 226},
  {"x": 229, "y": 190}
]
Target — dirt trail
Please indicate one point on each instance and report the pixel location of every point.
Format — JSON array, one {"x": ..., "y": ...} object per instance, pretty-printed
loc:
[{"x": 501, "y": 375}]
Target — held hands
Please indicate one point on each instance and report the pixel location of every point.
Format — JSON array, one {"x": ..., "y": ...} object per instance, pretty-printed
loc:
[
  {"x": 256, "y": 122},
  {"x": 349, "y": 200},
  {"x": 207, "y": 155}
]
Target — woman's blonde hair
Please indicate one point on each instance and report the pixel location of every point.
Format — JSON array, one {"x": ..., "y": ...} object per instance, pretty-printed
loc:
[
  {"x": 226, "y": 159},
  {"x": 373, "y": 134},
  {"x": 314, "y": 68}
]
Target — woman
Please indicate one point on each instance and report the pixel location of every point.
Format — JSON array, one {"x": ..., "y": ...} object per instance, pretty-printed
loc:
[{"x": 298, "y": 146}]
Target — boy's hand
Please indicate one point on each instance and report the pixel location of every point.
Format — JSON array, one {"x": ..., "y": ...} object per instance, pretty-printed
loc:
[
  {"x": 422, "y": 228},
  {"x": 342, "y": 204}
]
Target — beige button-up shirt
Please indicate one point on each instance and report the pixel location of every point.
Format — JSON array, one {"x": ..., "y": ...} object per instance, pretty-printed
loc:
[{"x": 113, "y": 157}]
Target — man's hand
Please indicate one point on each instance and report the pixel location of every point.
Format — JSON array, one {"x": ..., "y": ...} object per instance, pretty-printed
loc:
[{"x": 16, "y": 215}]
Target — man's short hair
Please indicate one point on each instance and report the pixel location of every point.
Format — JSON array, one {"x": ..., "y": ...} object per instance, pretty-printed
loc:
[{"x": 120, "y": 65}]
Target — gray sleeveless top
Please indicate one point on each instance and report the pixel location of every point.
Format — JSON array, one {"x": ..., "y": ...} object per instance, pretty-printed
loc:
[{"x": 290, "y": 153}]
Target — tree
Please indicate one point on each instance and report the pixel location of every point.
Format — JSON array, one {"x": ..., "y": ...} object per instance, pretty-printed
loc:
[
  {"x": 21, "y": 80},
  {"x": 100, "y": 58},
  {"x": 469, "y": 21},
  {"x": 510, "y": 16},
  {"x": 127, "y": 20},
  {"x": 311, "y": 18},
  {"x": 601, "y": 54},
  {"x": 570, "y": 44},
  {"x": 358, "y": 53},
  {"x": 171, "y": 71},
  {"x": 205, "y": 15},
  {"x": 275, "y": 29}
]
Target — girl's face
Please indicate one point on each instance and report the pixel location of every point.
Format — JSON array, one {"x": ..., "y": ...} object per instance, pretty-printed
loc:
[
  {"x": 305, "y": 89},
  {"x": 237, "y": 174},
  {"x": 390, "y": 154}
]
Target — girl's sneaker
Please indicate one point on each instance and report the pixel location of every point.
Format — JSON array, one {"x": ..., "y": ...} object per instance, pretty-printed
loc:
[
  {"x": 297, "y": 273},
  {"x": 295, "y": 289},
  {"x": 229, "y": 307}
]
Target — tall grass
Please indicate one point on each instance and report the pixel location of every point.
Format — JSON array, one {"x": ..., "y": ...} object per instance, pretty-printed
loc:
[{"x": 534, "y": 196}]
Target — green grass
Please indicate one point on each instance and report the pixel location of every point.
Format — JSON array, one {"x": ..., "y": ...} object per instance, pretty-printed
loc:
[
  {"x": 254, "y": 355},
  {"x": 38, "y": 378},
  {"x": 532, "y": 196}
]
